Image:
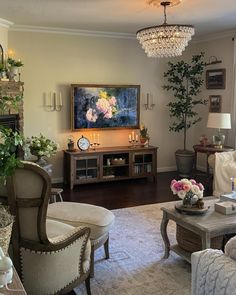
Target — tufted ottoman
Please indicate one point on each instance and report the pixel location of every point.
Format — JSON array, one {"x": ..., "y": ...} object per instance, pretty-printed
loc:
[{"x": 98, "y": 219}]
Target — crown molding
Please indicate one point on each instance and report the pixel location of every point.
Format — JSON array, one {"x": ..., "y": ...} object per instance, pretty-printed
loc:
[
  {"x": 215, "y": 36},
  {"x": 52, "y": 30},
  {"x": 5, "y": 23}
]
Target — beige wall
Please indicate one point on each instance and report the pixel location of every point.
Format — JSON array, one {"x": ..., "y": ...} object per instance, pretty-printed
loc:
[
  {"x": 54, "y": 61},
  {"x": 4, "y": 38},
  {"x": 223, "y": 50}
]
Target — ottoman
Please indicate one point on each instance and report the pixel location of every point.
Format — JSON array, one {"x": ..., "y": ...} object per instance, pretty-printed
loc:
[{"x": 98, "y": 219}]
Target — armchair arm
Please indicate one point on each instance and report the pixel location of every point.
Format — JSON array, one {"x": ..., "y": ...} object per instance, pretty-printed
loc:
[{"x": 59, "y": 242}]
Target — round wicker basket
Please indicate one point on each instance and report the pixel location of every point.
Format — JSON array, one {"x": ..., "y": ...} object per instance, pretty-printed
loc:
[{"x": 5, "y": 237}]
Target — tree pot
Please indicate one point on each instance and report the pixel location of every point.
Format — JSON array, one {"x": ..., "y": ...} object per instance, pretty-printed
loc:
[{"x": 184, "y": 161}]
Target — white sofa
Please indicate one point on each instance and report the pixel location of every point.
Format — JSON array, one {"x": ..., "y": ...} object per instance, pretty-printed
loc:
[
  {"x": 224, "y": 167},
  {"x": 214, "y": 272}
]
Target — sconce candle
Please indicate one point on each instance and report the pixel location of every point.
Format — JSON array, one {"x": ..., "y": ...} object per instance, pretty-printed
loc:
[
  {"x": 130, "y": 138},
  {"x": 98, "y": 136},
  {"x": 136, "y": 137},
  {"x": 132, "y": 135},
  {"x": 60, "y": 99}
]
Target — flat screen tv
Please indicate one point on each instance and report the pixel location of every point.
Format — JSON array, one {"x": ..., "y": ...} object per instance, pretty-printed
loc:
[{"x": 105, "y": 106}]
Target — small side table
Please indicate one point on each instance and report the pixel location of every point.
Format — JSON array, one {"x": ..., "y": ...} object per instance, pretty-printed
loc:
[{"x": 208, "y": 150}]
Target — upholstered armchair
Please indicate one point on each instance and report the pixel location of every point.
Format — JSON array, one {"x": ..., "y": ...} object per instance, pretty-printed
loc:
[
  {"x": 51, "y": 257},
  {"x": 214, "y": 272}
]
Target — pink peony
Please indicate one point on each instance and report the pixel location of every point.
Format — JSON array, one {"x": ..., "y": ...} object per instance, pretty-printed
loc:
[
  {"x": 193, "y": 181},
  {"x": 112, "y": 101},
  {"x": 178, "y": 186},
  {"x": 108, "y": 114},
  {"x": 201, "y": 187},
  {"x": 186, "y": 187},
  {"x": 103, "y": 105}
]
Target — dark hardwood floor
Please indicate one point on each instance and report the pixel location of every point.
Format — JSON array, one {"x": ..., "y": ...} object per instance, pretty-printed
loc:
[{"x": 128, "y": 193}]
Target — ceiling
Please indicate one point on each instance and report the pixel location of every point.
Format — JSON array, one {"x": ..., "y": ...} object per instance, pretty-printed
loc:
[{"x": 120, "y": 16}]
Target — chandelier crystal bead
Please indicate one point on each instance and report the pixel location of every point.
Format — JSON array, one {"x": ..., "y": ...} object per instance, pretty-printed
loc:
[{"x": 165, "y": 40}]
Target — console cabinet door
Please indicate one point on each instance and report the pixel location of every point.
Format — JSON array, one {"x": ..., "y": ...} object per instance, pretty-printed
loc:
[
  {"x": 143, "y": 164},
  {"x": 86, "y": 169}
]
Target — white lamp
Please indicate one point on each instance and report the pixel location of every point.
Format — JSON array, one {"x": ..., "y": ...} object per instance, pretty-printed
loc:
[{"x": 219, "y": 121}]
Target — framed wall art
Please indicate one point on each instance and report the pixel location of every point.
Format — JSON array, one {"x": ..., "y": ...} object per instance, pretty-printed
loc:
[
  {"x": 215, "y": 102},
  {"x": 215, "y": 79},
  {"x": 104, "y": 106}
]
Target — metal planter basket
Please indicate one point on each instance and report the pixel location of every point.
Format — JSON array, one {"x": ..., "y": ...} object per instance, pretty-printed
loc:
[{"x": 5, "y": 237}]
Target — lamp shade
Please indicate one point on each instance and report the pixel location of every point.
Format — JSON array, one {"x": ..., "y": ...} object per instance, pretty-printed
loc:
[{"x": 219, "y": 120}]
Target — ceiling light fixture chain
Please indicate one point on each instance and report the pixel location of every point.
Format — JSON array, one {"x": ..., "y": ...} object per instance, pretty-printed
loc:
[
  {"x": 165, "y": 4},
  {"x": 165, "y": 40}
]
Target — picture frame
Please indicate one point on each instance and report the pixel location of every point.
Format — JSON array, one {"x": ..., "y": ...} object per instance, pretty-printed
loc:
[
  {"x": 100, "y": 106},
  {"x": 215, "y": 79},
  {"x": 215, "y": 102}
]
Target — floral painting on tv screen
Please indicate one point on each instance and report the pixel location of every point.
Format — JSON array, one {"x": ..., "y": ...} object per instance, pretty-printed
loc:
[{"x": 105, "y": 106}]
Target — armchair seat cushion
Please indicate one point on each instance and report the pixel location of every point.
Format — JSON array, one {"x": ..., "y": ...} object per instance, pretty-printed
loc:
[{"x": 98, "y": 219}]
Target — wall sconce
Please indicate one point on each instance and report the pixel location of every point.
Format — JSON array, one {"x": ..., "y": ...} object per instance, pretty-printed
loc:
[
  {"x": 149, "y": 105},
  {"x": 213, "y": 60},
  {"x": 52, "y": 102}
]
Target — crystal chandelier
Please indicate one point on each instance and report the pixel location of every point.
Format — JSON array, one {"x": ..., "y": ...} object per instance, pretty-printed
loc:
[{"x": 165, "y": 40}]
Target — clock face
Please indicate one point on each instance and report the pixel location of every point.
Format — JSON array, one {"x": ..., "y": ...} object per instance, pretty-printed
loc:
[{"x": 83, "y": 143}]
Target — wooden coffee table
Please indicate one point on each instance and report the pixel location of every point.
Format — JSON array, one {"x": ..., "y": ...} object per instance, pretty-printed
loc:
[{"x": 210, "y": 225}]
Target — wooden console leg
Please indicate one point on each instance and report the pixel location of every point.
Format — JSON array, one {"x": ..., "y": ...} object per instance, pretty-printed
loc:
[
  {"x": 87, "y": 284},
  {"x": 92, "y": 262},
  {"x": 106, "y": 248}
]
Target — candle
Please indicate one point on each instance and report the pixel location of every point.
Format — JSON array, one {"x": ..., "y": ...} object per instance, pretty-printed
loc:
[
  {"x": 54, "y": 102},
  {"x": 5, "y": 61},
  {"x": 50, "y": 99},
  {"x": 60, "y": 99},
  {"x": 148, "y": 102},
  {"x": 94, "y": 137},
  {"x": 98, "y": 137},
  {"x": 130, "y": 137},
  {"x": 136, "y": 137}
]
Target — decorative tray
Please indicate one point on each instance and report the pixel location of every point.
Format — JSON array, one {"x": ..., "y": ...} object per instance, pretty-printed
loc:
[{"x": 190, "y": 211}]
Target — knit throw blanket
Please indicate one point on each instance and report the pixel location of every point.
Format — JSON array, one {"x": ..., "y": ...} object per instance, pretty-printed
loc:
[
  {"x": 225, "y": 168},
  {"x": 215, "y": 274}
]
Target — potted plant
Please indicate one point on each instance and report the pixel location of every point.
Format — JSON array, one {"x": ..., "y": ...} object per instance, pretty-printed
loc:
[
  {"x": 41, "y": 147},
  {"x": 144, "y": 136},
  {"x": 71, "y": 143},
  {"x": 185, "y": 81},
  {"x": 14, "y": 67},
  {"x": 6, "y": 222},
  {"x": 9, "y": 160}
]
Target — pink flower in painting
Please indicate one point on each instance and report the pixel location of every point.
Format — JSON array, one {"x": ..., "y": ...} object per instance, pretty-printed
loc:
[
  {"x": 91, "y": 115},
  {"x": 108, "y": 114},
  {"x": 112, "y": 101},
  {"x": 103, "y": 105}
]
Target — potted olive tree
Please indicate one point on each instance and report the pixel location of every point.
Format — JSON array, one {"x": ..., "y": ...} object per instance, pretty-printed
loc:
[{"x": 185, "y": 81}]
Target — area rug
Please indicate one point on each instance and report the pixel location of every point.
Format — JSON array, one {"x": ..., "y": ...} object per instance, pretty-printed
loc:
[{"x": 136, "y": 266}]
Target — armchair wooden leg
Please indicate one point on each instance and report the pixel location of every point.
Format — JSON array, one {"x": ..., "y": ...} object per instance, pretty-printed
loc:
[
  {"x": 92, "y": 262},
  {"x": 106, "y": 248},
  {"x": 87, "y": 284}
]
